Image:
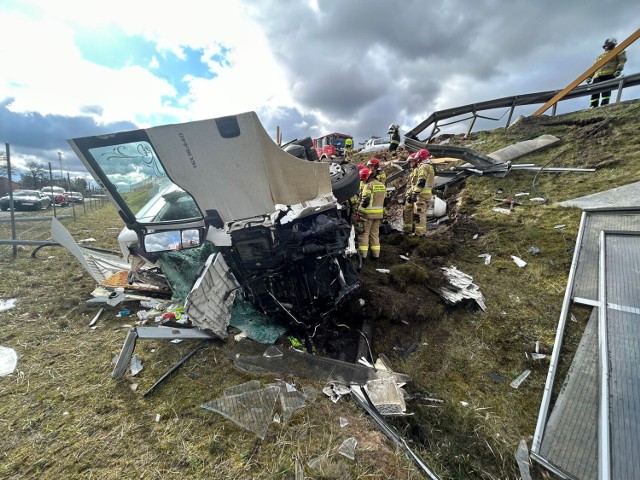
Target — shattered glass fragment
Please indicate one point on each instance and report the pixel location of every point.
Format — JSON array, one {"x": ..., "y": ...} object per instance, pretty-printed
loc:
[
  {"x": 534, "y": 250},
  {"x": 522, "y": 457},
  {"x": 310, "y": 394},
  {"x": 272, "y": 352},
  {"x": 245, "y": 387},
  {"x": 348, "y": 448},
  {"x": 276, "y": 418},
  {"x": 136, "y": 365},
  {"x": 487, "y": 258},
  {"x": 314, "y": 463},
  {"x": 251, "y": 410},
  {"x": 291, "y": 402},
  {"x": 343, "y": 422}
]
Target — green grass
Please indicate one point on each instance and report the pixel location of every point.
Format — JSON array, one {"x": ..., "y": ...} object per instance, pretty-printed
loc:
[{"x": 62, "y": 416}]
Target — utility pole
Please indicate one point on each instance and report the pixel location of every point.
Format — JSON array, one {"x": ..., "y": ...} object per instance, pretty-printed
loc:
[{"x": 61, "y": 175}]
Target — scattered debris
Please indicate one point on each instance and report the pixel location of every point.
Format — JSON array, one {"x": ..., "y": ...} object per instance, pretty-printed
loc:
[
  {"x": 7, "y": 304},
  {"x": 506, "y": 211},
  {"x": 538, "y": 356},
  {"x": 475, "y": 237},
  {"x": 343, "y": 422},
  {"x": 404, "y": 257},
  {"x": 522, "y": 194},
  {"x": 521, "y": 378},
  {"x": 386, "y": 396},
  {"x": 560, "y": 227},
  {"x": 518, "y": 261},
  {"x": 383, "y": 270},
  {"x": 537, "y": 199},
  {"x": 495, "y": 377},
  {"x": 8, "y": 361},
  {"x": 252, "y": 410},
  {"x": 94, "y": 320},
  {"x": 136, "y": 365},
  {"x": 487, "y": 258},
  {"x": 348, "y": 448},
  {"x": 534, "y": 250},
  {"x": 460, "y": 287},
  {"x": 522, "y": 457},
  {"x": 272, "y": 352}
]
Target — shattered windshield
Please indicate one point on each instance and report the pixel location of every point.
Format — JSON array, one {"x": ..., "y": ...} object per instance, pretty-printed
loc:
[{"x": 135, "y": 171}]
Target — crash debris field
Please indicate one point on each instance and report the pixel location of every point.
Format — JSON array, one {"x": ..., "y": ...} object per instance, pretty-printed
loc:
[{"x": 456, "y": 331}]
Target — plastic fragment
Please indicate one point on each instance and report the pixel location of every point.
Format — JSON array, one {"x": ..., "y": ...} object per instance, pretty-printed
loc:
[
  {"x": 383, "y": 270},
  {"x": 8, "y": 361},
  {"x": 560, "y": 227},
  {"x": 521, "y": 378},
  {"x": 506, "y": 211},
  {"x": 7, "y": 304},
  {"x": 158, "y": 417},
  {"x": 475, "y": 237},
  {"x": 538, "y": 356},
  {"x": 518, "y": 261},
  {"x": 348, "y": 448},
  {"x": 404, "y": 257},
  {"x": 487, "y": 258}
]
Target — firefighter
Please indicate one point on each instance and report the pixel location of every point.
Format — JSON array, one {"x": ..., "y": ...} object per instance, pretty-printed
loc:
[
  {"x": 608, "y": 71},
  {"x": 418, "y": 194},
  {"x": 370, "y": 212},
  {"x": 348, "y": 148},
  {"x": 354, "y": 201},
  {"x": 394, "y": 131},
  {"x": 374, "y": 165}
]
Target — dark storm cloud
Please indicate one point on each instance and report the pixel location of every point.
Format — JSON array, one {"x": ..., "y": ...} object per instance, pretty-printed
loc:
[
  {"x": 367, "y": 63},
  {"x": 39, "y": 137}
]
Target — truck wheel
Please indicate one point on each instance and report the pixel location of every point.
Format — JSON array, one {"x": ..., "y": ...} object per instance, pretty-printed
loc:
[{"x": 345, "y": 181}]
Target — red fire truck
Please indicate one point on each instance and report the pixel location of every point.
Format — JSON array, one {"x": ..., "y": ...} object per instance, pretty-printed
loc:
[{"x": 331, "y": 145}]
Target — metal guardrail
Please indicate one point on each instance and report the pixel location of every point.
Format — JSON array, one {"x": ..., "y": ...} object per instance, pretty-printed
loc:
[{"x": 539, "y": 98}]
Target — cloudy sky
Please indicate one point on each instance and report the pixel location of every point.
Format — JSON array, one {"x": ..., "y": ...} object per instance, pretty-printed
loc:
[{"x": 72, "y": 68}]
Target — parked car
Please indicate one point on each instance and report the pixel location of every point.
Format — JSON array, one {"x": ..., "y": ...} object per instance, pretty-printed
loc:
[
  {"x": 376, "y": 144},
  {"x": 26, "y": 200},
  {"x": 275, "y": 223},
  {"x": 57, "y": 195},
  {"x": 74, "y": 197}
]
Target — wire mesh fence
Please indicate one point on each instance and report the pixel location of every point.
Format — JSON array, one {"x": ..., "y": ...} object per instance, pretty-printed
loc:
[{"x": 34, "y": 227}]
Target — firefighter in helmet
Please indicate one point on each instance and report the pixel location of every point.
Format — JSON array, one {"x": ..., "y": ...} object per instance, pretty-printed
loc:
[
  {"x": 394, "y": 131},
  {"x": 418, "y": 194},
  {"x": 376, "y": 170},
  {"x": 348, "y": 148},
  {"x": 608, "y": 71},
  {"x": 370, "y": 213},
  {"x": 354, "y": 201}
]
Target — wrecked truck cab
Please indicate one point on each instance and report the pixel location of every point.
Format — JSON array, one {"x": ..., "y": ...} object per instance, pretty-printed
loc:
[{"x": 223, "y": 183}]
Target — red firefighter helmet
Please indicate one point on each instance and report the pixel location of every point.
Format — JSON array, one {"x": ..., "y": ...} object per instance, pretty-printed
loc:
[
  {"x": 373, "y": 163},
  {"x": 364, "y": 174},
  {"x": 423, "y": 154}
]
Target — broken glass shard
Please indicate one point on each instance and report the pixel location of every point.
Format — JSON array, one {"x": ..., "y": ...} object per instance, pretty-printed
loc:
[
  {"x": 310, "y": 394},
  {"x": 7, "y": 304},
  {"x": 343, "y": 422},
  {"x": 272, "y": 352},
  {"x": 245, "y": 387},
  {"x": 299, "y": 471},
  {"x": 136, "y": 365},
  {"x": 522, "y": 457},
  {"x": 251, "y": 410},
  {"x": 348, "y": 448},
  {"x": 290, "y": 403}
]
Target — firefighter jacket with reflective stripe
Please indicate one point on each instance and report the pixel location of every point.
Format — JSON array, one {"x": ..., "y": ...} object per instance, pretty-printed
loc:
[
  {"x": 372, "y": 203},
  {"x": 616, "y": 64},
  {"x": 422, "y": 178},
  {"x": 395, "y": 139}
]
